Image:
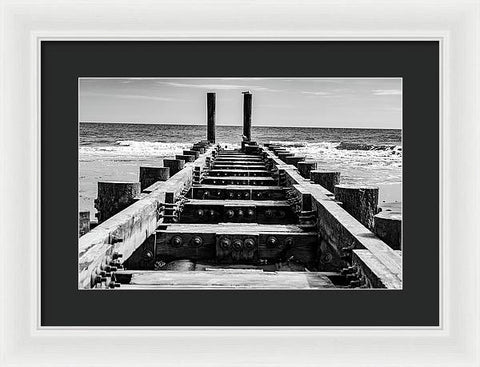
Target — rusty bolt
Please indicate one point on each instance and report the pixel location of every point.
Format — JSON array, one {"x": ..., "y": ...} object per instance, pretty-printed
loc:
[
  {"x": 272, "y": 241},
  {"x": 237, "y": 245},
  {"x": 249, "y": 243},
  {"x": 177, "y": 241},
  {"x": 240, "y": 212},
  {"x": 197, "y": 241},
  {"x": 230, "y": 213},
  {"x": 268, "y": 213},
  {"x": 288, "y": 241},
  {"x": 225, "y": 243}
]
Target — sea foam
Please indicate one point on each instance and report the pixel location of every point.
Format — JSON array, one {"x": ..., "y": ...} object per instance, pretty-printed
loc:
[{"x": 131, "y": 148}]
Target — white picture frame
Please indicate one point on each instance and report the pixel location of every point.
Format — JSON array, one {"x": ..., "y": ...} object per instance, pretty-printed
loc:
[{"x": 455, "y": 24}]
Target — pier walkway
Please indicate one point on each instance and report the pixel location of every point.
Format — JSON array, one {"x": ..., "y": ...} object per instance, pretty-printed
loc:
[{"x": 257, "y": 217}]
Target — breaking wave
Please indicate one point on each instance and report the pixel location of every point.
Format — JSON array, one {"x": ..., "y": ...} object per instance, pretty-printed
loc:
[
  {"x": 131, "y": 148},
  {"x": 322, "y": 146},
  {"x": 372, "y": 163}
]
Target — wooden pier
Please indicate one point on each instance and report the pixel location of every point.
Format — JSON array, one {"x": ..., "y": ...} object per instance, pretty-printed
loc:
[{"x": 256, "y": 217}]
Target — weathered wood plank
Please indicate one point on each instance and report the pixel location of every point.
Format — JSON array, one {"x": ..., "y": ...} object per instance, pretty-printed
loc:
[
  {"x": 228, "y": 278},
  {"x": 237, "y": 192},
  {"x": 244, "y": 166},
  {"x": 233, "y": 228},
  {"x": 238, "y": 154},
  {"x": 236, "y": 187},
  {"x": 239, "y": 211},
  {"x": 238, "y": 180},
  {"x": 238, "y": 172},
  {"x": 269, "y": 203},
  {"x": 239, "y": 159},
  {"x": 379, "y": 276}
]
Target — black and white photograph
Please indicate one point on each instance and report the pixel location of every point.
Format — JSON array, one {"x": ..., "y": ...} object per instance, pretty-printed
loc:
[{"x": 240, "y": 183}]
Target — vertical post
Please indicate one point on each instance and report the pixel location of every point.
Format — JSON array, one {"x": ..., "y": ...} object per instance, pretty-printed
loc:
[
  {"x": 304, "y": 168},
  {"x": 284, "y": 155},
  {"x": 294, "y": 160},
  {"x": 211, "y": 117},
  {"x": 150, "y": 175},
  {"x": 175, "y": 165},
  {"x": 84, "y": 223},
  {"x": 113, "y": 197},
  {"x": 388, "y": 225},
  {"x": 326, "y": 179},
  {"x": 360, "y": 201},
  {"x": 247, "y": 115}
]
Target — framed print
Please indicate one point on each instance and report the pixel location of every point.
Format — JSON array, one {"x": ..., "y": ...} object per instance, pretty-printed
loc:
[
  {"x": 193, "y": 181},
  {"x": 238, "y": 214}
]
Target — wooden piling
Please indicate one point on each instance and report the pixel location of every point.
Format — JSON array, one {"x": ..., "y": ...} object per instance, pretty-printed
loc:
[
  {"x": 247, "y": 115},
  {"x": 211, "y": 117},
  {"x": 195, "y": 153},
  {"x": 327, "y": 179},
  {"x": 83, "y": 222},
  {"x": 388, "y": 225},
  {"x": 361, "y": 202},
  {"x": 150, "y": 175},
  {"x": 306, "y": 167},
  {"x": 113, "y": 197},
  {"x": 294, "y": 160},
  {"x": 186, "y": 158},
  {"x": 175, "y": 165},
  {"x": 283, "y": 156}
]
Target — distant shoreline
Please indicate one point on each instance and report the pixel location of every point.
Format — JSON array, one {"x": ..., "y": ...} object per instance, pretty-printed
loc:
[{"x": 269, "y": 126}]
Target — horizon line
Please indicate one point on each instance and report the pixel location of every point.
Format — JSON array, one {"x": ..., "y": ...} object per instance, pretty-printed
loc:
[{"x": 275, "y": 126}]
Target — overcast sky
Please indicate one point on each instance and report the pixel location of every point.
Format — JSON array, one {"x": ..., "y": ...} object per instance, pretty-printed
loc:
[{"x": 356, "y": 102}]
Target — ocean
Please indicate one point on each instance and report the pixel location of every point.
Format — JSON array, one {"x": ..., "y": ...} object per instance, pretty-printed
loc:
[{"x": 114, "y": 151}]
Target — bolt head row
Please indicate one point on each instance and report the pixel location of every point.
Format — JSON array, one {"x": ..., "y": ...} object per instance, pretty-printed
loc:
[
  {"x": 237, "y": 244},
  {"x": 273, "y": 241},
  {"x": 205, "y": 212},
  {"x": 177, "y": 241}
]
